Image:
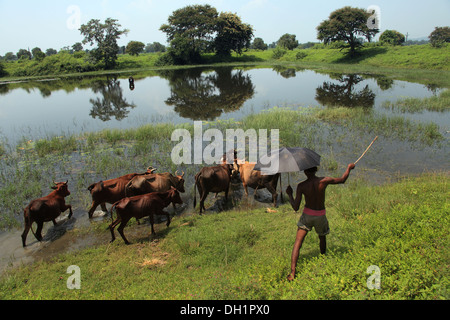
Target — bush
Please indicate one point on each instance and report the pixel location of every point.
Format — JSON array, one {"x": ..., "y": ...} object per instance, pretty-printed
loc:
[
  {"x": 3, "y": 72},
  {"x": 301, "y": 55},
  {"x": 278, "y": 53}
]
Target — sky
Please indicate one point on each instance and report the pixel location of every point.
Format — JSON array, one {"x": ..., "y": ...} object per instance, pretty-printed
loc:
[{"x": 54, "y": 24}]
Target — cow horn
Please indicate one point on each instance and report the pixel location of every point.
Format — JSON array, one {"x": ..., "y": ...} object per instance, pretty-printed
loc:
[
  {"x": 67, "y": 181},
  {"x": 182, "y": 175},
  {"x": 54, "y": 182}
]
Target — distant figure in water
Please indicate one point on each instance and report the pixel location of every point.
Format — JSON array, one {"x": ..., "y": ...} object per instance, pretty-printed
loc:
[
  {"x": 131, "y": 81},
  {"x": 314, "y": 213}
]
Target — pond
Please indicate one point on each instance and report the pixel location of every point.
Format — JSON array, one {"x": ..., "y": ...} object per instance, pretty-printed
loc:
[{"x": 41, "y": 109}]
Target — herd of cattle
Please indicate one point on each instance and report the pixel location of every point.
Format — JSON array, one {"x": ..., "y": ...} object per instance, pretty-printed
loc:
[{"x": 146, "y": 194}]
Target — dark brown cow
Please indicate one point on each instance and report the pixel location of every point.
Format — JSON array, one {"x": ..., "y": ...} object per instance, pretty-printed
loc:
[
  {"x": 110, "y": 191},
  {"x": 154, "y": 182},
  {"x": 213, "y": 179},
  {"x": 141, "y": 206},
  {"x": 46, "y": 209},
  {"x": 254, "y": 179}
]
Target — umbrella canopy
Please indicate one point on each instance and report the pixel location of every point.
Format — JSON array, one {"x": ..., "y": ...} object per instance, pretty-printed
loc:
[{"x": 287, "y": 160}]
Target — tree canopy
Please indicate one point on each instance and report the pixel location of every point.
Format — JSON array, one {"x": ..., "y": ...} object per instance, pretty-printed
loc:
[
  {"x": 105, "y": 35},
  {"x": 439, "y": 36},
  {"x": 134, "y": 48},
  {"x": 348, "y": 25},
  {"x": 392, "y": 37},
  {"x": 197, "y": 29}
]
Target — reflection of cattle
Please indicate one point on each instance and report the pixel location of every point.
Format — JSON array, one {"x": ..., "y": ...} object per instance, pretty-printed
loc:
[
  {"x": 46, "y": 209},
  {"x": 154, "y": 182},
  {"x": 110, "y": 191},
  {"x": 213, "y": 179},
  {"x": 254, "y": 179},
  {"x": 141, "y": 206}
]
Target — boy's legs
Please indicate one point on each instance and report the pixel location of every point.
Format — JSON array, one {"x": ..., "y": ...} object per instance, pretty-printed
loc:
[
  {"x": 323, "y": 244},
  {"x": 301, "y": 234}
]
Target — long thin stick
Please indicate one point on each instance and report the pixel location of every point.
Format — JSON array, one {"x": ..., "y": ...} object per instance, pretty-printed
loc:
[{"x": 366, "y": 150}]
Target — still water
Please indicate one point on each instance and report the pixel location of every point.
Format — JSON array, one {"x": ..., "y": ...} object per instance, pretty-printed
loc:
[{"x": 40, "y": 109}]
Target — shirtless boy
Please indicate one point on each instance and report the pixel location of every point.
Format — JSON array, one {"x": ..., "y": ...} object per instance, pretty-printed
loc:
[{"x": 314, "y": 213}]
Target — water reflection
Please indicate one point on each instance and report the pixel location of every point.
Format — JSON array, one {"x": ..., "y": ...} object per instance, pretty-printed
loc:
[
  {"x": 111, "y": 103},
  {"x": 345, "y": 93},
  {"x": 200, "y": 95}
]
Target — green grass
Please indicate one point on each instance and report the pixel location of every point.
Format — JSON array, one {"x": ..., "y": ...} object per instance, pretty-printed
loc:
[
  {"x": 439, "y": 103},
  {"x": 244, "y": 254}
]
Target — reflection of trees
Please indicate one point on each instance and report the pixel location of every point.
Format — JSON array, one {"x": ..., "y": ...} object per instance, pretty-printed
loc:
[
  {"x": 344, "y": 94},
  {"x": 111, "y": 103},
  {"x": 205, "y": 96}
]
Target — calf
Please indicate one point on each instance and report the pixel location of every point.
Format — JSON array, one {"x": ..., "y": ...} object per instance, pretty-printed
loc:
[
  {"x": 46, "y": 209},
  {"x": 141, "y": 206}
]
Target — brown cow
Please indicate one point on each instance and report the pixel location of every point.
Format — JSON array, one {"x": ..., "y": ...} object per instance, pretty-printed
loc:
[
  {"x": 254, "y": 179},
  {"x": 154, "y": 182},
  {"x": 110, "y": 191},
  {"x": 213, "y": 179},
  {"x": 46, "y": 209},
  {"x": 141, "y": 206}
]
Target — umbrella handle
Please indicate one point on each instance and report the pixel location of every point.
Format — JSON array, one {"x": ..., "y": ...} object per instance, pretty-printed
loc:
[{"x": 366, "y": 150}]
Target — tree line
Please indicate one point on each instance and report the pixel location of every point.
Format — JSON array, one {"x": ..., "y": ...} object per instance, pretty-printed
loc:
[{"x": 197, "y": 29}]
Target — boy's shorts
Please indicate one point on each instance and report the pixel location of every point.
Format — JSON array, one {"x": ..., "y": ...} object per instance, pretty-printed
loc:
[{"x": 320, "y": 224}]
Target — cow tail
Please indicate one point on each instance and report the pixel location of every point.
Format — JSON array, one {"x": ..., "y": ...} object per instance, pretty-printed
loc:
[
  {"x": 281, "y": 190},
  {"x": 195, "y": 191},
  {"x": 28, "y": 217},
  {"x": 112, "y": 209}
]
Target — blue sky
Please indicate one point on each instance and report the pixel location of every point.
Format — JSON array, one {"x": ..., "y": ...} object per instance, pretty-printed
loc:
[{"x": 49, "y": 23}]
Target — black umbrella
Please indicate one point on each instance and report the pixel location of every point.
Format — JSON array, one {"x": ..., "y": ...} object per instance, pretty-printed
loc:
[{"x": 287, "y": 160}]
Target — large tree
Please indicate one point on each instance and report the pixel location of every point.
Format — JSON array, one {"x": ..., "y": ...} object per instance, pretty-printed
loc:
[
  {"x": 347, "y": 25},
  {"x": 232, "y": 34},
  {"x": 196, "y": 29},
  {"x": 190, "y": 31},
  {"x": 288, "y": 41},
  {"x": 392, "y": 37},
  {"x": 105, "y": 35}
]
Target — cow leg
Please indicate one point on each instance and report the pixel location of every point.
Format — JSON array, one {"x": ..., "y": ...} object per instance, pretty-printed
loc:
[
  {"x": 92, "y": 209},
  {"x": 25, "y": 233},
  {"x": 245, "y": 189},
  {"x": 38, "y": 233},
  {"x": 103, "y": 206},
  {"x": 111, "y": 228},
  {"x": 70, "y": 210},
  {"x": 202, "y": 201},
  {"x": 273, "y": 191},
  {"x": 54, "y": 222},
  {"x": 152, "y": 222},
  {"x": 120, "y": 229}
]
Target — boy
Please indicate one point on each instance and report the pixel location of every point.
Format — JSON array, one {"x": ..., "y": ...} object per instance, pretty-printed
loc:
[{"x": 314, "y": 213}]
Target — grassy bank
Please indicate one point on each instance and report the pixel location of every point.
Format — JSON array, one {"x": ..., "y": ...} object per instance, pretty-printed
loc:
[
  {"x": 420, "y": 63},
  {"x": 244, "y": 254}
]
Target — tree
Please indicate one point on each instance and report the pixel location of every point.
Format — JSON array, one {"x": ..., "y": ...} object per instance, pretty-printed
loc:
[
  {"x": 392, "y": 37},
  {"x": 38, "y": 54},
  {"x": 77, "y": 47},
  {"x": 190, "y": 31},
  {"x": 24, "y": 54},
  {"x": 9, "y": 56},
  {"x": 288, "y": 41},
  {"x": 347, "y": 25},
  {"x": 105, "y": 35},
  {"x": 439, "y": 36},
  {"x": 50, "y": 52},
  {"x": 258, "y": 44},
  {"x": 155, "y": 47},
  {"x": 232, "y": 34},
  {"x": 134, "y": 48}
]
